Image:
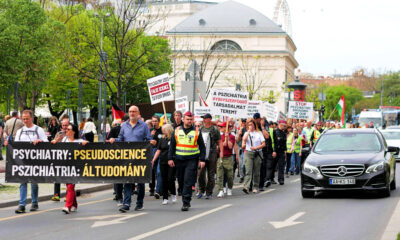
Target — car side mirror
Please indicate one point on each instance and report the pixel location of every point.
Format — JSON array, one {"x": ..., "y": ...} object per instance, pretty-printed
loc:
[{"x": 394, "y": 150}]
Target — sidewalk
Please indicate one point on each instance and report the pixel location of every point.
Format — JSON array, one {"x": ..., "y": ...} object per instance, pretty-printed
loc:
[{"x": 9, "y": 192}]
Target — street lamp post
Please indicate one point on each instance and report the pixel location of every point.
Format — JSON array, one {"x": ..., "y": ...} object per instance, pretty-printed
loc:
[{"x": 102, "y": 86}]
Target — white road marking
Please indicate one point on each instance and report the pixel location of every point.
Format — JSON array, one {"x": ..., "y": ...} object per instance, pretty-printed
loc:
[
  {"x": 296, "y": 180},
  {"x": 118, "y": 219},
  {"x": 288, "y": 222},
  {"x": 392, "y": 229},
  {"x": 148, "y": 234},
  {"x": 267, "y": 191}
]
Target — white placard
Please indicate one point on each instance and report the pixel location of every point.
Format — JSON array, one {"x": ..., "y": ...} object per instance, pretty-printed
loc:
[
  {"x": 281, "y": 117},
  {"x": 229, "y": 103},
  {"x": 200, "y": 111},
  {"x": 271, "y": 112},
  {"x": 160, "y": 89},
  {"x": 300, "y": 110},
  {"x": 254, "y": 107},
  {"x": 182, "y": 104}
]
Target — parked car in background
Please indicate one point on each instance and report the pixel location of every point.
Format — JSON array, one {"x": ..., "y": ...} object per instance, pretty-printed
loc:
[{"x": 392, "y": 137}]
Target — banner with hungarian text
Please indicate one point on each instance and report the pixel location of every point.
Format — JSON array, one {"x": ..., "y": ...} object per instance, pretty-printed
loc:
[{"x": 120, "y": 162}]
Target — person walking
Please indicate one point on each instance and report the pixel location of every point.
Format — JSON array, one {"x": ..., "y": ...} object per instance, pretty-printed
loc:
[
  {"x": 225, "y": 161},
  {"x": 71, "y": 136},
  {"x": 289, "y": 135},
  {"x": 186, "y": 149},
  {"x": 212, "y": 139},
  {"x": 316, "y": 133},
  {"x": 156, "y": 133},
  {"x": 34, "y": 134},
  {"x": 133, "y": 131},
  {"x": 295, "y": 149},
  {"x": 278, "y": 154},
  {"x": 89, "y": 130},
  {"x": 12, "y": 126},
  {"x": 167, "y": 172},
  {"x": 53, "y": 128},
  {"x": 253, "y": 143}
]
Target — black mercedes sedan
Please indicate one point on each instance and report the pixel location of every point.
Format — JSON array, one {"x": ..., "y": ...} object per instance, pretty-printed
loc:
[{"x": 350, "y": 159}]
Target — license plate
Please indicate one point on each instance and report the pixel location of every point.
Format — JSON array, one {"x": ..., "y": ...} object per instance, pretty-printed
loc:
[{"x": 342, "y": 181}]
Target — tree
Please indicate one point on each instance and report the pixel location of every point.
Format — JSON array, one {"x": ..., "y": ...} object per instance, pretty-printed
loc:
[
  {"x": 391, "y": 88},
  {"x": 25, "y": 48},
  {"x": 333, "y": 95}
]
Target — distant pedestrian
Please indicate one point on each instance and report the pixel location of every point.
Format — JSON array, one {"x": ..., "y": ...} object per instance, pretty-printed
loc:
[{"x": 89, "y": 130}]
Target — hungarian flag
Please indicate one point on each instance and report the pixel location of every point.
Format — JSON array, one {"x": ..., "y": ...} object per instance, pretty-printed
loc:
[
  {"x": 341, "y": 110},
  {"x": 117, "y": 113}
]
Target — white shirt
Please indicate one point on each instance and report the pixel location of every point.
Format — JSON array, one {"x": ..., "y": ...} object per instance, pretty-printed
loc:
[
  {"x": 89, "y": 127},
  {"x": 29, "y": 134},
  {"x": 256, "y": 138}
]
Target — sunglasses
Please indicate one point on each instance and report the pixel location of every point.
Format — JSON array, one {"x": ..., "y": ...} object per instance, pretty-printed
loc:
[{"x": 69, "y": 129}]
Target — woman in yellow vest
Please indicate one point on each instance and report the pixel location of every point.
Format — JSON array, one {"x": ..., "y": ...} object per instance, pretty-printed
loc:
[{"x": 295, "y": 149}]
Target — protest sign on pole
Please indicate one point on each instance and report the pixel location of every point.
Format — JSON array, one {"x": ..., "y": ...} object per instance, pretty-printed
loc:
[
  {"x": 271, "y": 112},
  {"x": 201, "y": 111},
  {"x": 254, "y": 107},
  {"x": 182, "y": 104},
  {"x": 281, "y": 117},
  {"x": 300, "y": 110},
  {"x": 120, "y": 162},
  {"x": 160, "y": 90},
  {"x": 229, "y": 103}
]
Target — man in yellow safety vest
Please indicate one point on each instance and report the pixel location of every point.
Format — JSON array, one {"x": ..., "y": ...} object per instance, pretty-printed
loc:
[{"x": 185, "y": 150}]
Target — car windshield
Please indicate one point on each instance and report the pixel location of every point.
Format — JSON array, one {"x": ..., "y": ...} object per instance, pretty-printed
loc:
[
  {"x": 348, "y": 141},
  {"x": 391, "y": 135},
  {"x": 376, "y": 121}
]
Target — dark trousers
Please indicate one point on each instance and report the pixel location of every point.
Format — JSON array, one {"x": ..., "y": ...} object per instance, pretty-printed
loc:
[
  {"x": 168, "y": 180},
  {"x": 207, "y": 174},
  {"x": 187, "y": 172},
  {"x": 272, "y": 164},
  {"x": 288, "y": 162},
  {"x": 128, "y": 188},
  {"x": 152, "y": 184},
  {"x": 57, "y": 189},
  {"x": 118, "y": 187},
  {"x": 263, "y": 168}
]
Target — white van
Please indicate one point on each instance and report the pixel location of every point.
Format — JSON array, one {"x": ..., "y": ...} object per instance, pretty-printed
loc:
[{"x": 371, "y": 115}]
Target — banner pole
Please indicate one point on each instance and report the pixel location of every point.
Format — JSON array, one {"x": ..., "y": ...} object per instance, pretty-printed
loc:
[
  {"x": 165, "y": 112},
  {"x": 331, "y": 113}
]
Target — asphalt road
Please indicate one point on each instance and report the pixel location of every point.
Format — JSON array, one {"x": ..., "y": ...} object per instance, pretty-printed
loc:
[{"x": 278, "y": 213}]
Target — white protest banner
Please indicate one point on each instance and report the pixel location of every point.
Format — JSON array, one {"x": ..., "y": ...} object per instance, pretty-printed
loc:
[
  {"x": 160, "y": 89},
  {"x": 254, "y": 107},
  {"x": 182, "y": 104},
  {"x": 271, "y": 112},
  {"x": 281, "y": 117},
  {"x": 300, "y": 110},
  {"x": 200, "y": 111},
  {"x": 229, "y": 103}
]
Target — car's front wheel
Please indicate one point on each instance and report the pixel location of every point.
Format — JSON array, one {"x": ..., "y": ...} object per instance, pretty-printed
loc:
[
  {"x": 307, "y": 194},
  {"x": 386, "y": 192}
]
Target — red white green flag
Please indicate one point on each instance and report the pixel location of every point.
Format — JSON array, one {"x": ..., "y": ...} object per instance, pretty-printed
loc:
[{"x": 341, "y": 110}]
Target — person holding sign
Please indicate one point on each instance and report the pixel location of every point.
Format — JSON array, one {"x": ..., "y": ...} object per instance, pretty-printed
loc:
[
  {"x": 185, "y": 150},
  {"x": 253, "y": 143},
  {"x": 71, "y": 135},
  {"x": 34, "y": 134},
  {"x": 134, "y": 130},
  {"x": 225, "y": 161}
]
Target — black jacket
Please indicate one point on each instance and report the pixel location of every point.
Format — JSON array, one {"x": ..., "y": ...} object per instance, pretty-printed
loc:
[
  {"x": 172, "y": 147},
  {"x": 280, "y": 145}
]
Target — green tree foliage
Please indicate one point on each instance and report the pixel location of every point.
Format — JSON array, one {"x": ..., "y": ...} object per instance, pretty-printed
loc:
[
  {"x": 25, "y": 49},
  {"x": 333, "y": 95},
  {"x": 367, "y": 103},
  {"x": 391, "y": 88}
]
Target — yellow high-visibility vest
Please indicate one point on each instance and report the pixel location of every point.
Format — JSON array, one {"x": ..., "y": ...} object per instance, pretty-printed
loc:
[{"x": 186, "y": 144}]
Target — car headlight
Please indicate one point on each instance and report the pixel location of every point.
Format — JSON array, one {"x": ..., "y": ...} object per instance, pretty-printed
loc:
[
  {"x": 311, "y": 170},
  {"x": 376, "y": 167}
]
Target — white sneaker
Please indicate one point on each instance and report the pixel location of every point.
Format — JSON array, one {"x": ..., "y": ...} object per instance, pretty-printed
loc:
[
  {"x": 229, "y": 192},
  {"x": 165, "y": 202},
  {"x": 224, "y": 190},
  {"x": 65, "y": 209},
  {"x": 220, "y": 194},
  {"x": 73, "y": 209},
  {"x": 173, "y": 197}
]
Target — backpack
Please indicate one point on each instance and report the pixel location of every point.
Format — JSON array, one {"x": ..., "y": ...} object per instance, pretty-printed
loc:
[{"x": 26, "y": 132}]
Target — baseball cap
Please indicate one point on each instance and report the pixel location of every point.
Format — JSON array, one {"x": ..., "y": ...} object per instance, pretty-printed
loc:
[{"x": 207, "y": 115}]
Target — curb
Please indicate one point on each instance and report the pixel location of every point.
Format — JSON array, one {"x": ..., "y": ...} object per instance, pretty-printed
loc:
[{"x": 48, "y": 197}]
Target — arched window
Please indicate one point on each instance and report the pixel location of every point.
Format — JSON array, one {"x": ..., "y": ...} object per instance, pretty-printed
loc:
[{"x": 226, "y": 45}]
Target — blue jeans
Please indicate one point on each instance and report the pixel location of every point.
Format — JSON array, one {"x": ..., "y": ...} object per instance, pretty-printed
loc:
[
  {"x": 128, "y": 187},
  {"x": 295, "y": 161},
  {"x": 23, "y": 192},
  {"x": 159, "y": 179}
]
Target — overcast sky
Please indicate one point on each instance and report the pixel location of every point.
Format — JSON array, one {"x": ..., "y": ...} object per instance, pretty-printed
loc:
[{"x": 337, "y": 36}]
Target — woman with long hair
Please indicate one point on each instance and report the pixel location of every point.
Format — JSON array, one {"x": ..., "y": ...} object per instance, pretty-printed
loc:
[
  {"x": 253, "y": 143},
  {"x": 167, "y": 172},
  {"x": 72, "y": 136},
  {"x": 53, "y": 127}
]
